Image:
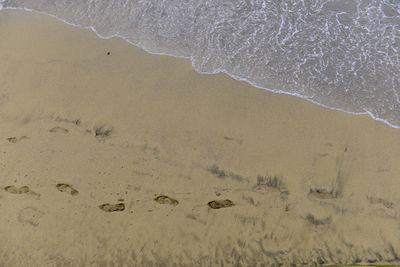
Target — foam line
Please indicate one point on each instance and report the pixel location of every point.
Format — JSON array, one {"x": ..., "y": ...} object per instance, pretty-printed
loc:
[{"x": 366, "y": 112}]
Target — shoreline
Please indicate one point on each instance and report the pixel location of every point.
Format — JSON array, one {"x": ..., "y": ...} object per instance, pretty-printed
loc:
[
  {"x": 219, "y": 71},
  {"x": 112, "y": 155}
]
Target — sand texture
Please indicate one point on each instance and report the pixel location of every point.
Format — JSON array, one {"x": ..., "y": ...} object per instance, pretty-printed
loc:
[{"x": 110, "y": 156}]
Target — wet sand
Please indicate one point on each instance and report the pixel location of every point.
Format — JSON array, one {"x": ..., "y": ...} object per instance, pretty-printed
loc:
[{"x": 114, "y": 157}]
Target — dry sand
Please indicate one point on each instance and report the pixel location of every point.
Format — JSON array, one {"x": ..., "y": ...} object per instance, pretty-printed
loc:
[{"x": 114, "y": 160}]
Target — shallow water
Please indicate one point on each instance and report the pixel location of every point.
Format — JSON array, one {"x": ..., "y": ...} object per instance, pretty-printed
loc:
[{"x": 336, "y": 53}]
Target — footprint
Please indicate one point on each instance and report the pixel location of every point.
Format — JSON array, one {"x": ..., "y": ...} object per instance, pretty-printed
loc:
[
  {"x": 30, "y": 215},
  {"x": 112, "y": 207},
  {"x": 15, "y": 190},
  {"x": 21, "y": 190},
  {"x": 322, "y": 194},
  {"x": 218, "y": 204},
  {"x": 267, "y": 184},
  {"x": 385, "y": 203},
  {"x": 239, "y": 141},
  {"x": 166, "y": 200},
  {"x": 16, "y": 139},
  {"x": 67, "y": 187},
  {"x": 312, "y": 220},
  {"x": 58, "y": 129}
]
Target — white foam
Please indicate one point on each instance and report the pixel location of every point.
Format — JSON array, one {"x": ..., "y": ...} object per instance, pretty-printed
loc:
[{"x": 211, "y": 63}]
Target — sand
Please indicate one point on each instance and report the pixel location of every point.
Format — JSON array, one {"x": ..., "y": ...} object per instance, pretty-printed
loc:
[{"x": 110, "y": 156}]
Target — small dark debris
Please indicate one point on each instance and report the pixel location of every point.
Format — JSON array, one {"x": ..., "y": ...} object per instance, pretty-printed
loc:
[
  {"x": 323, "y": 193},
  {"x": 101, "y": 132}
]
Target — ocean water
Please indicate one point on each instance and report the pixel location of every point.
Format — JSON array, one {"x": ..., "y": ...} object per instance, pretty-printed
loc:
[{"x": 341, "y": 54}]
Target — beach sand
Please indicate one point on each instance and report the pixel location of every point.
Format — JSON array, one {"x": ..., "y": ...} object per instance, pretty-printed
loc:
[{"x": 111, "y": 156}]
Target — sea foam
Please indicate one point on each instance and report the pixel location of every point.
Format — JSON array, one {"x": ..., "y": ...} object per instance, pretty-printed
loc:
[{"x": 336, "y": 53}]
